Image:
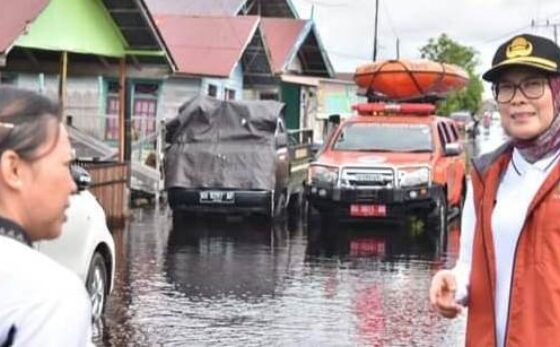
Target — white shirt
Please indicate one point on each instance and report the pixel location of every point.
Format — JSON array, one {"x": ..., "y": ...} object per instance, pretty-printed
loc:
[
  {"x": 47, "y": 304},
  {"x": 515, "y": 193}
]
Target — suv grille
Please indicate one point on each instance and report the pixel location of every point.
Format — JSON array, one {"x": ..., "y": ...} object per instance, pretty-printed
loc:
[{"x": 368, "y": 177}]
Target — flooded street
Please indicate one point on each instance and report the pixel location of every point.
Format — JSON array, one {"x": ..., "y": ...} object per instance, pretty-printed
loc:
[
  {"x": 212, "y": 281},
  {"x": 231, "y": 283}
]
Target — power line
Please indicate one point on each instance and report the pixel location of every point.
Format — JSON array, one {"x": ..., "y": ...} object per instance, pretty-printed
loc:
[
  {"x": 392, "y": 27},
  {"x": 556, "y": 14},
  {"x": 547, "y": 24},
  {"x": 504, "y": 35},
  {"x": 389, "y": 19}
]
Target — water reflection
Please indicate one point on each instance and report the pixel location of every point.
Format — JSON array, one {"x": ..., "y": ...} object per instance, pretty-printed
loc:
[
  {"x": 384, "y": 269},
  {"x": 221, "y": 282},
  {"x": 375, "y": 240},
  {"x": 209, "y": 257}
]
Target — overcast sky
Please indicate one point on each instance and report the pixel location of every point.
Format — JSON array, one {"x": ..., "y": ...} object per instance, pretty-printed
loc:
[{"x": 346, "y": 26}]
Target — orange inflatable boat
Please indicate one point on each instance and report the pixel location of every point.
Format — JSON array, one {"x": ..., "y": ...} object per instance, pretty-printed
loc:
[{"x": 408, "y": 79}]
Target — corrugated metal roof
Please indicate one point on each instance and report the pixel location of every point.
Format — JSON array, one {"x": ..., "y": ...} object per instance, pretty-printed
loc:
[
  {"x": 74, "y": 26},
  {"x": 289, "y": 39},
  {"x": 14, "y": 17},
  {"x": 135, "y": 23},
  {"x": 196, "y": 7},
  {"x": 207, "y": 46},
  {"x": 282, "y": 36},
  {"x": 271, "y": 8},
  {"x": 37, "y": 24},
  {"x": 264, "y": 8}
]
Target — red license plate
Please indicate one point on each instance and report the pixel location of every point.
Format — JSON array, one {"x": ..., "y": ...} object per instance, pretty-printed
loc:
[
  {"x": 368, "y": 210},
  {"x": 364, "y": 247}
]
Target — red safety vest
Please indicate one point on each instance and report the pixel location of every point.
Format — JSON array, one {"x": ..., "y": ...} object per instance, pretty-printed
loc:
[{"x": 534, "y": 308}]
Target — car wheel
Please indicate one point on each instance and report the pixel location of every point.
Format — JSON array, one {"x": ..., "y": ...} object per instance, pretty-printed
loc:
[{"x": 96, "y": 285}]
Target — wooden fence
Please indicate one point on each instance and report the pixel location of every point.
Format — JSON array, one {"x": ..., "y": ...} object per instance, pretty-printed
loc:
[{"x": 109, "y": 182}]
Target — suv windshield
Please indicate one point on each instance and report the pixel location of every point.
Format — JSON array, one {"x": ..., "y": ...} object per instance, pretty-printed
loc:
[{"x": 384, "y": 137}]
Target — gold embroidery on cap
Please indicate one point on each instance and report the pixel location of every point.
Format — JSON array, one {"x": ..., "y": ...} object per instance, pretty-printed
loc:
[{"x": 519, "y": 47}]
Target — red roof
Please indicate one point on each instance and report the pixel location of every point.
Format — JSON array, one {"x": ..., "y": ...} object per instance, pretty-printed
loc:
[
  {"x": 207, "y": 46},
  {"x": 14, "y": 17},
  {"x": 281, "y": 36},
  {"x": 196, "y": 7}
]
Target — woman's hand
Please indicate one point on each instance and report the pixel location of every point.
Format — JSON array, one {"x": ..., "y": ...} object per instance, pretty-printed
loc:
[{"x": 442, "y": 294}]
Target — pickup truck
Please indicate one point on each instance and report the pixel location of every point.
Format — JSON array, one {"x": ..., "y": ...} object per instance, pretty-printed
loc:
[
  {"x": 234, "y": 156},
  {"x": 390, "y": 161}
]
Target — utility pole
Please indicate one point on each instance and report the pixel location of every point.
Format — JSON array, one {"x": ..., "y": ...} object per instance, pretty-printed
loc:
[
  {"x": 375, "y": 31},
  {"x": 547, "y": 24},
  {"x": 398, "y": 48}
]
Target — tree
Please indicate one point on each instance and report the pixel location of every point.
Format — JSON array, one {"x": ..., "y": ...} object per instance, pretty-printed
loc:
[{"x": 445, "y": 50}]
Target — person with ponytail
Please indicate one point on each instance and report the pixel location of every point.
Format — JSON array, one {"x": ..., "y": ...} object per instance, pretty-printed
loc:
[
  {"x": 508, "y": 270},
  {"x": 41, "y": 302}
]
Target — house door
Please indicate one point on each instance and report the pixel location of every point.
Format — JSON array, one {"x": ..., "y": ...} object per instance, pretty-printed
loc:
[{"x": 291, "y": 97}]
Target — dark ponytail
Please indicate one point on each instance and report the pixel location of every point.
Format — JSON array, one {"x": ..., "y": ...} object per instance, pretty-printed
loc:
[{"x": 26, "y": 120}]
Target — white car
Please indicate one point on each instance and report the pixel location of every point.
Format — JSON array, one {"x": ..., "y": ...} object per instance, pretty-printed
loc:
[{"x": 85, "y": 246}]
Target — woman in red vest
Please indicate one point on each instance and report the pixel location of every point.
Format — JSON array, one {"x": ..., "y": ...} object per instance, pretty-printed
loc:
[{"x": 508, "y": 271}]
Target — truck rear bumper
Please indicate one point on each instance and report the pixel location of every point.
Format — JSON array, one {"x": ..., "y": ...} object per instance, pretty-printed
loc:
[{"x": 200, "y": 200}]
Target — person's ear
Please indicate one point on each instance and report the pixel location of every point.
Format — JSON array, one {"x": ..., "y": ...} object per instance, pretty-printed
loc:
[{"x": 11, "y": 169}]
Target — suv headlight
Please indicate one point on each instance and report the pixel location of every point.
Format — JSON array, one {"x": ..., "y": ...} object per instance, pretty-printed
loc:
[
  {"x": 324, "y": 174},
  {"x": 411, "y": 177}
]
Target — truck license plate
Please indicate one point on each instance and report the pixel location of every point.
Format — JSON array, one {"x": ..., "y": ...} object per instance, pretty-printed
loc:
[
  {"x": 368, "y": 210},
  {"x": 217, "y": 197}
]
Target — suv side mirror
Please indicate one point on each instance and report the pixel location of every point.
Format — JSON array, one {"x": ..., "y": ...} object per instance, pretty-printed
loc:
[
  {"x": 81, "y": 177},
  {"x": 453, "y": 149}
]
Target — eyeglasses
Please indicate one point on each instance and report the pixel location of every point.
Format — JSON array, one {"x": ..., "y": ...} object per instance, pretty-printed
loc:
[{"x": 531, "y": 88}]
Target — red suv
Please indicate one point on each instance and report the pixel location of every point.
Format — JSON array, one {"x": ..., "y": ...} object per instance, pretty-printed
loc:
[{"x": 390, "y": 160}]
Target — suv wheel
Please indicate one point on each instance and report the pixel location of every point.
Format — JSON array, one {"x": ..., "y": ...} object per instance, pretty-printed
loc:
[{"x": 96, "y": 285}]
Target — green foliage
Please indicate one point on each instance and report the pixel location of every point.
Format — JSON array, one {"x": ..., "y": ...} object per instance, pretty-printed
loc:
[{"x": 445, "y": 50}]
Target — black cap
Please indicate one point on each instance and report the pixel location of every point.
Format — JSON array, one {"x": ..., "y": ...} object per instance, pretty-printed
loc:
[{"x": 525, "y": 50}]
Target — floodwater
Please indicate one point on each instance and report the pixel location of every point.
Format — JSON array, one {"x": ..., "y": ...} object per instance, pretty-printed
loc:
[{"x": 210, "y": 281}]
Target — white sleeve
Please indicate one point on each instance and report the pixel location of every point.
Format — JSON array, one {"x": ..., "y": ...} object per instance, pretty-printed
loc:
[
  {"x": 462, "y": 269},
  {"x": 63, "y": 320}
]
